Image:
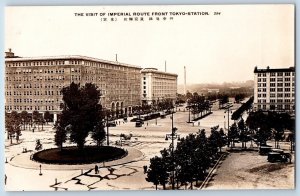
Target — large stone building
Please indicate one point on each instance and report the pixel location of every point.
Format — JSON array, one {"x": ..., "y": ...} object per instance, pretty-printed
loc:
[
  {"x": 157, "y": 85},
  {"x": 274, "y": 89},
  {"x": 35, "y": 83}
]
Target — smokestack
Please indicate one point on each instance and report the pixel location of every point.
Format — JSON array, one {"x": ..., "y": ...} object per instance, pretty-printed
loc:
[
  {"x": 184, "y": 88},
  {"x": 117, "y": 57}
]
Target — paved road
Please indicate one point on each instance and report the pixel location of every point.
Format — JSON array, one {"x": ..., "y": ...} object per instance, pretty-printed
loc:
[{"x": 147, "y": 139}]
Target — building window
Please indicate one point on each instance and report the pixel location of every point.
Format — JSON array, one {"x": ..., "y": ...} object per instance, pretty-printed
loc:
[
  {"x": 280, "y": 74},
  {"x": 287, "y": 89},
  {"x": 273, "y": 74},
  {"x": 287, "y": 73},
  {"x": 272, "y": 79}
]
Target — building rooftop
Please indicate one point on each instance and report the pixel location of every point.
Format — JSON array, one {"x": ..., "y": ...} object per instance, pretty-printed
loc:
[
  {"x": 268, "y": 69},
  {"x": 154, "y": 70},
  {"x": 64, "y": 57}
]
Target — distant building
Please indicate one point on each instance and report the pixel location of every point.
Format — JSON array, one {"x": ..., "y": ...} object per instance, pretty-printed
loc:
[
  {"x": 274, "y": 89},
  {"x": 157, "y": 86},
  {"x": 35, "y": 83}
]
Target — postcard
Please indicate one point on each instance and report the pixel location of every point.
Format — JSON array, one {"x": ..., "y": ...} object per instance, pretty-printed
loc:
[{"x": 166, "y": 97}]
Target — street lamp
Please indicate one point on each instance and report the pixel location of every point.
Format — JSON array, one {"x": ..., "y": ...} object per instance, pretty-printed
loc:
[
  {"x": 107, "y": 125},
  {"x": 172, "y": 136},
  {"x": 40, "y": 170},
  {"x": 228, "y": 110}
]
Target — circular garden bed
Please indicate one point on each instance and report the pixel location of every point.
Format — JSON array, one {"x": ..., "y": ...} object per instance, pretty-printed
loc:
[{"x": 72, "y": 155}]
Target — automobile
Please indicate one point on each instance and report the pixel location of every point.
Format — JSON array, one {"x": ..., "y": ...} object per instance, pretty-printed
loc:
[
  {"x": 133, "y": 119},
  {"x": 264, "y": 150},
  {"x": 111, "y": 124},
  {"x": 138, "y": 123},
  {"x": 279, "y": 157}
]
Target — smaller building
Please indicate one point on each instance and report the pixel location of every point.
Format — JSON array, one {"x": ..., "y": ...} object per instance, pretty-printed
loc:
[
  {"x": 274, "y": 89},
  {"x": 157, "y": 85}
]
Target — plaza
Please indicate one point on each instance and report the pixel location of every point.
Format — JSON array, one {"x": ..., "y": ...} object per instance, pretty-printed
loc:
[{"x": 123, "y": 174}]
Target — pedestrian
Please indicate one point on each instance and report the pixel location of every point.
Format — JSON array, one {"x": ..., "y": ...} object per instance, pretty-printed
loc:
[
  {"x": 5, "y": 179},
  {"x": 103, "y": 164},
  {"x": 199, "y": 123},
  {"x": 96, "y": 169},
  {"x": 145, "y": 169},
  {"x": 147, "y": 123}
]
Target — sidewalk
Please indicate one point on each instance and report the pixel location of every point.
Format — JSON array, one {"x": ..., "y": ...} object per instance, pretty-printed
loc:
[{"x": 22, "y": 160}]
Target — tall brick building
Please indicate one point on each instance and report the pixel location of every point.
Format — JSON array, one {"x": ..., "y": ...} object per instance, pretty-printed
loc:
[{"x": 34, "y": 83}]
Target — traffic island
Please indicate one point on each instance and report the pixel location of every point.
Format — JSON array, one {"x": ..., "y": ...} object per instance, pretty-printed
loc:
[{"x": 73, "y": 155}]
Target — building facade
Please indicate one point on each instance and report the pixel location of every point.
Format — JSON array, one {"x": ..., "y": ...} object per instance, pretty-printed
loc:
[
  {"x": 157, "y": 85},
  {"x": 274, "y": 89},
  {"x": 36, "y": 83}
]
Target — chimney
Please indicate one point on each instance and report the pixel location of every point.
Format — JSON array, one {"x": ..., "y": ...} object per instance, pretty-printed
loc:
[
  {"x": 184, "y": 88},
  {"x": 9, "y": 54}
]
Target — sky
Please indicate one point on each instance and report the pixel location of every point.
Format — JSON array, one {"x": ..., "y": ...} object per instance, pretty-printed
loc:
[{"x": 214, "y": 48}]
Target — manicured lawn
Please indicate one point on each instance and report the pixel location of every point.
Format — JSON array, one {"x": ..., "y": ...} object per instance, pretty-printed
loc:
[{"x": 71, "y": 155}]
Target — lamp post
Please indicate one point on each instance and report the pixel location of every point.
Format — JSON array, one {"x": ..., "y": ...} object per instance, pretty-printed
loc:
[
  {"x": 228, "y": 110},
  {"x": 172, "y": 136},
  {"x": 107, "y": 125},
  {"x": 40, "y": 170}
]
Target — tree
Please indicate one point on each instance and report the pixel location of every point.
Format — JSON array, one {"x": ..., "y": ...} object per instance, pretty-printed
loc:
[
  {"x": 24, "y": 118},
  {"x": 81, "y": 110},
  {"x": 242, "y": 132},
  {"x": 48, "y": 116},
  {"x": 36, "y": 117},
  {"x": 216, "y": 139},
  {"x": 157, "y": 172},
  {"x": 13, "y": 125},
  {"x": 60, "y": 135},
  {"x": 98, "y": 133},
  {"x": 233, "y": 134}
]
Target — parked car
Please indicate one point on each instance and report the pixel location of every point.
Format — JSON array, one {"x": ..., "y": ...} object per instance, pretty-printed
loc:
[
  {"x": 279, "y": 157},
  {"x": 264, "y": 150},
  {"x": 138, "y": 123}
]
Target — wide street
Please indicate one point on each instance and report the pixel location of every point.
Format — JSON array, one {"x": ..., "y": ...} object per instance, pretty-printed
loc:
[{"x": 124, "y": 174}]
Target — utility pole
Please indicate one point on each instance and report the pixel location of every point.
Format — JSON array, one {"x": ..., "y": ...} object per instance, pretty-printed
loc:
[
  {"x": 227, "y": 110},
  {"x": 107, "y": 133},
  {"x": 172, "y": 136}
]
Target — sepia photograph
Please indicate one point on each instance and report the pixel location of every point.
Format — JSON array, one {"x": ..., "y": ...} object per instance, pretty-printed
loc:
[{"x": 157, "y": 97}]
